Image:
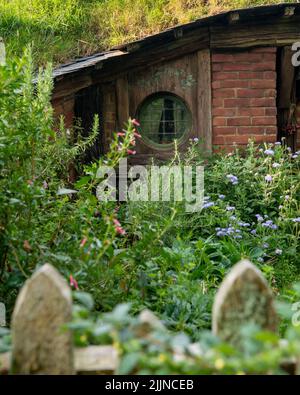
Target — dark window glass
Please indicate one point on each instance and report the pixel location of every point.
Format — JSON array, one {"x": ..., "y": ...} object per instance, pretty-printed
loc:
[{"x": 164, "y": 118}]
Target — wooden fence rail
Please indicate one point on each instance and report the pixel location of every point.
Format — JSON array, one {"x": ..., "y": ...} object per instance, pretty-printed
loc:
[{"x": 44, "y": 306}]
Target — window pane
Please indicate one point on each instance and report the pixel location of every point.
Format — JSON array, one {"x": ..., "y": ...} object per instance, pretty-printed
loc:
[{"x": 164, "y": 118}]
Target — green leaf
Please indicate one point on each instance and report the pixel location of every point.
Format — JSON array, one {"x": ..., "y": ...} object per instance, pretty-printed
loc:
[
  {"x": 85, "y": 299},
  {"x": 65, "y": 191}
]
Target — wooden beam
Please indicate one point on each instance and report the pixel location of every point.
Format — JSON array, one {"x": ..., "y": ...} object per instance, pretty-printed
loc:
[
  {"x": 122, "y": 101},
  {"x": 204, "y": 98},
  {"x": 287, "y": 76},
  {"x": 279, "y": 32},
  {"x": 233, "y": 17}
]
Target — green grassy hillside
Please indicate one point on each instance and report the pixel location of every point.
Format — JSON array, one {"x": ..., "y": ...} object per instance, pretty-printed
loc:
[{"x": 63, "y": 29}]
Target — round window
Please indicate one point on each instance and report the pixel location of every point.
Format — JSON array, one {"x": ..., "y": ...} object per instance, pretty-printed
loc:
[{"x": 164, "y": 118}]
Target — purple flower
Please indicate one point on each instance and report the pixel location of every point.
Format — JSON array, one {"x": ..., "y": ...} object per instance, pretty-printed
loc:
[
  {"x": 269, "y": 224},
  {"x": 268, "y": 178},
  {"x": 243, "y": 224},
  {"x": 222, "y": 197},
  {"x": 278, "y": 251},
  {"x": 266, "y": 245},
  {"x": 259, "y": 217},
  {"x": 233, "y": 179},
  {"x": 294, "y": 156},
  {"x": 296, "y": 220},
  {"x": 275, "y": 165},
  {"x": 208, "y": 204},
  {"x": 278, "y": 143},
  {"x": 253, "y": 232},
  {"x": 230, "y": 208},
  {"x": 269, "y": 152}
]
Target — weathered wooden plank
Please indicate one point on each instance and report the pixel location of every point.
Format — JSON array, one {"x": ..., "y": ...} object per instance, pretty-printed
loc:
[
  {"x": 279, "y": 32},
  {"x": 287, "y": 78},
  {"x": 71, "y": 84},
  {"x": 204, "y": 98},
  {"x": 122, "y": 101}
]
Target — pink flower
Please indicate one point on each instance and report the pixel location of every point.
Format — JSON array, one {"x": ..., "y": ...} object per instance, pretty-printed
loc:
[
  {"x": 83, "y": 241},
  {"x": 121, "y": 134},
  {"x": 135, "y": 122},
  {"x": 136, "y": 134},
  {"x": 118, "y": 227},
  {"x": 132, "y": 142},
  {"x": 116, "y": 222},
  {"x": 120, "y": 230},
  {"x": 45, "y": 184},
  {"x": 130, "y": 152},
  {"x": 73, "y": 283}
]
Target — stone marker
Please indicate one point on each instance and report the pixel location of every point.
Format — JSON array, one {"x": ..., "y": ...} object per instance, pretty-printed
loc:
[
  {"x": 2, "y": 315},
  {"x": 40, "y": 345},
  {"x": 244, "y": 297}
]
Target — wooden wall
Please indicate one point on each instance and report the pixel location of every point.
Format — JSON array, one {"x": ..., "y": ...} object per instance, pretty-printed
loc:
[{"x": 189, "y": 77}]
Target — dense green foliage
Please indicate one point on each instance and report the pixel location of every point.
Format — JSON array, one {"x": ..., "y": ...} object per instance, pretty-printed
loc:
[
  {"x": 151, "y": 255},
  {"x": 61, "y": 30}
]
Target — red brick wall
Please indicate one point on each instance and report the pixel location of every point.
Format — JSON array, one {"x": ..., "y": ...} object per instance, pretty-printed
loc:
[
  {"x": 244, "y": 97},
  {"x": 64, "y": 106}
]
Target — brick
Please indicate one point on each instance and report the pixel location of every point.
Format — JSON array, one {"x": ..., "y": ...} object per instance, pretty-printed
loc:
[
  {"x": 264, "y": 121},
  {"x": 252, "y": 74},
  {"x": 271, "y": 112},
  {"x": 216, "y": 84},
  {"x": 216, "y": 67},
  {"x": 218, "y": 140},
  {"x": 224, "y": 75},
  {"x": 269, "y": 57},
  {"x": 249, "y": 93},
  {"x": 270, "y": 75},
  {"x": 224, "y": 112},
  {"x": 264, "y": 66},
  {"x": 230, "y": 103},
  {"x": 225, "y": 130},
  {"x": 222, "y": 57},
  {"x": 244, "y": 139},
  {"x": 263, "y": 102},
  {"x": 219, "y": 121},
  {"x": 263, "y": 83},
  {"x": 250, "y": 130},
  {"x": 218, "y": 102},
  {"x": 240, "y": 67},
  {"x": 239, "y": 121},
  {"x": 223, "y": 93},
  {"x": 234, "y": 83},
  {"x": 251, "y": 111},
  {"x": 271, "y": 130},
  {"x": 247, "y": 57}
]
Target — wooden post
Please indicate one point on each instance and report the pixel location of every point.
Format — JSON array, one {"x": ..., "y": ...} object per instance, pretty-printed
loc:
[
  {"x": 243, "y": 298},
  {"x": 204, "y": 99},
  {"x": 40, "y": 344}
]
